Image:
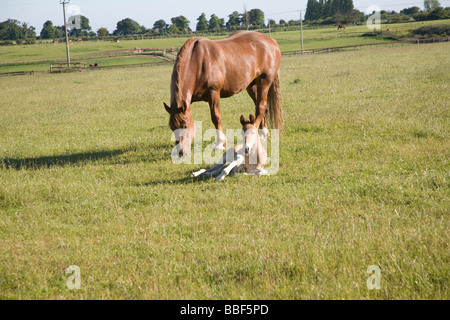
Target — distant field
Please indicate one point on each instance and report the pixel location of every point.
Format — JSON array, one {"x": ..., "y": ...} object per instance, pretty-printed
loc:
[
  {"x": 39, "y": 56},
  {"x": 86, "y": 179},
  {"x": 103, "y": 62}
]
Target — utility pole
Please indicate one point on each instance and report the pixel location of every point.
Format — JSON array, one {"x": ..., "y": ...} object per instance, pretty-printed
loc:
[
  {"x": 301, "y": 30},
  {"x": 63, "y": 2},
  {"x": 270, "y": 36}
]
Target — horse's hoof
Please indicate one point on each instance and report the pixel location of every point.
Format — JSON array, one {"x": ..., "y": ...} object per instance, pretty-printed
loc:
[
  {"x": 262, "y": 172},
  {"x": 264, "y": 133}
]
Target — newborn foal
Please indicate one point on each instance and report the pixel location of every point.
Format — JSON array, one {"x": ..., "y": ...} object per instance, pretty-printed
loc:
[{"x": 249, "y": 157}]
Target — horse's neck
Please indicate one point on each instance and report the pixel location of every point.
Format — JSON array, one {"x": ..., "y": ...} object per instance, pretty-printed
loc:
[{"x": 184, "y": 82}]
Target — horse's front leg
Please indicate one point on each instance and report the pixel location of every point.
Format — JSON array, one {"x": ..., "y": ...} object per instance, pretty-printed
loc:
[
  {"x": 258, "y": 91},
  {"x": 214, "y": 105}
]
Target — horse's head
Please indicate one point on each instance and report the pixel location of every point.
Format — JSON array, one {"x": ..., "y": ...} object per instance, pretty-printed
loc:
[
  {"x": 250, "y": 133},
  {"x": 181, "y": 123}
]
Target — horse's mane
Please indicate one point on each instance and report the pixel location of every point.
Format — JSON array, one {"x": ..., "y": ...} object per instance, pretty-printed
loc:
[{"x": 178, "y": 71}]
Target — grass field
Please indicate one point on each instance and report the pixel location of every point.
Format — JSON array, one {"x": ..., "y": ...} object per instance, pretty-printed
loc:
[
  {"x": 39, "y": 56},
  {"x": 86, "y": 179}
]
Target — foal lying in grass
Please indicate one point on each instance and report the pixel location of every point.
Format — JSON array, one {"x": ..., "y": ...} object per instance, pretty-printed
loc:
[{"x": 249, "y": 157}]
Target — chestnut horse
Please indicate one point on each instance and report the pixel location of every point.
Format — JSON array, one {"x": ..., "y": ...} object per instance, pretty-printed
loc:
[
  {"x": 207, "y": 70},
  {"x": 341, "y": 26}
]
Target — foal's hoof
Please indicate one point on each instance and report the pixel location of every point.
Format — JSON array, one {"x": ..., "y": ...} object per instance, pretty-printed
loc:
[
  {"x": 221, "y": 177},
  {"x": 197, "y": 173},
  {"x": 219, "y": 147}
]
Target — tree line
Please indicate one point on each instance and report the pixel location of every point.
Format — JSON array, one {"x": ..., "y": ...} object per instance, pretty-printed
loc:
[
  {"x": 317, "y": 12},
  {"x": 342, "y": 11}
]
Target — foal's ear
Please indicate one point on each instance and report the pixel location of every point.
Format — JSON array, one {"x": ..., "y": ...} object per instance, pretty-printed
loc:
[
  {"x": 242, "y": 119},
  {"x": 167, "y": 107},
  {"x": 252, "y": 118}
]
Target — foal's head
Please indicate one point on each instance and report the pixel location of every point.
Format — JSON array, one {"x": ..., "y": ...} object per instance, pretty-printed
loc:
[
  {"x": 250, "y": 134},
  {"x": 181, "y": 123}
]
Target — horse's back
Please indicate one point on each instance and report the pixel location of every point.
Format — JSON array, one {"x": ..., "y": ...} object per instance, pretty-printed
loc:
[{"x": 232, "y": 63}]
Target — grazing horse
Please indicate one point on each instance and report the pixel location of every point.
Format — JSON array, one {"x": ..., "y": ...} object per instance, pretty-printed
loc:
[
  {"x": 249, "y": 157},
  {"x": 207, "y": 70},
  {"x": 341, "y": 26}
]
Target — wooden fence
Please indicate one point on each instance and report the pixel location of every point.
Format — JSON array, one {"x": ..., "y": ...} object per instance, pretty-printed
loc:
[
  {"x": 63, "y": 67},
  {"x": 323, "y": 50}
]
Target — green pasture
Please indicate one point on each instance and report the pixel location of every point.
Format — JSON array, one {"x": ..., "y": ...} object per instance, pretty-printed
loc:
[
  {"x": 39, "y": 56},
  {"x": 86, "y": 179}
]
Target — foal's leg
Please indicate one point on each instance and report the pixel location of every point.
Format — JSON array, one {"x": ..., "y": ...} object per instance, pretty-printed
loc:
[
  {"x": 239, "y": 160},
  {"x": 214, "y": 105},
  {"x": 213, "y": 171}
]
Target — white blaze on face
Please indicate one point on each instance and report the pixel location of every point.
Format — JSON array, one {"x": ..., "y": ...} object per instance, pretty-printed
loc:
[
  {"x": 249, "y": 139},
  {"x": 183, "y": 140}
]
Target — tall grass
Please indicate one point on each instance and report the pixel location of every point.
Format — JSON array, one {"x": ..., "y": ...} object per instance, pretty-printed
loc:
[{"x": 86, "y": 179}]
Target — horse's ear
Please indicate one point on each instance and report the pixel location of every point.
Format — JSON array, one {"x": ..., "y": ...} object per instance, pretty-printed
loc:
[
  {"x": 167, "y": 107},
  {"x": 242, "y": 119},
  {"x": 252, "y": 118}
]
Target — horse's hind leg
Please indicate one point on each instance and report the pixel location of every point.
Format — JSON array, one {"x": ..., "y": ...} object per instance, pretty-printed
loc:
[{"x": 214, "y": 105}]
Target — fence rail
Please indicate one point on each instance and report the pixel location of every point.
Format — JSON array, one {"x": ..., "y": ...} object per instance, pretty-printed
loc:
[{"x": 322, "y": 50}]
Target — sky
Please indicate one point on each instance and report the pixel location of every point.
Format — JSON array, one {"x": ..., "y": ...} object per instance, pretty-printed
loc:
[{"x": 106, "y": 13}]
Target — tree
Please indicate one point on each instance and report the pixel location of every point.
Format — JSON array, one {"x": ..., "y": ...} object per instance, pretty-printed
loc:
[
  {"x": 127, "y": 26},
  {"x": 410, "y": 11},
  {"x": 102, "y": 32},
  {"x": 215, "y": 24},
  {"x": 48, "y": 30},
  {"x": 438, "y": 13},
  {"x": 28, "y": 31},
  {"x": 202, "y": 24},
  {"x": 234, "y": 21},
  {"x": 14, "y": 30},
  {"x": 256, "y": 18},
  {"x": 313, "y": 11},
  {"x": 347, "y": 6},
  {"x": 430, "y": 5},
  {"x": 182, "y": 23},
  {"x": 173, "y": 29},
  {"x": 144, "y": 30},
  {"x": 160, "y": 26},
  {"x": 326, "y": 11},
  {"x": 335, "y": 7}
]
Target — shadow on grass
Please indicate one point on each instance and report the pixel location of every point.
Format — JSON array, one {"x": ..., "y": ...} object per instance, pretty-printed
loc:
[
  {"x": 128, "y": 154},
  {"x": 186, "y": 179}
]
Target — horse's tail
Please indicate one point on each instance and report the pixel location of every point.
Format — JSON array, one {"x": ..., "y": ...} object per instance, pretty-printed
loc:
[{"x": 274, "y": 99}]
